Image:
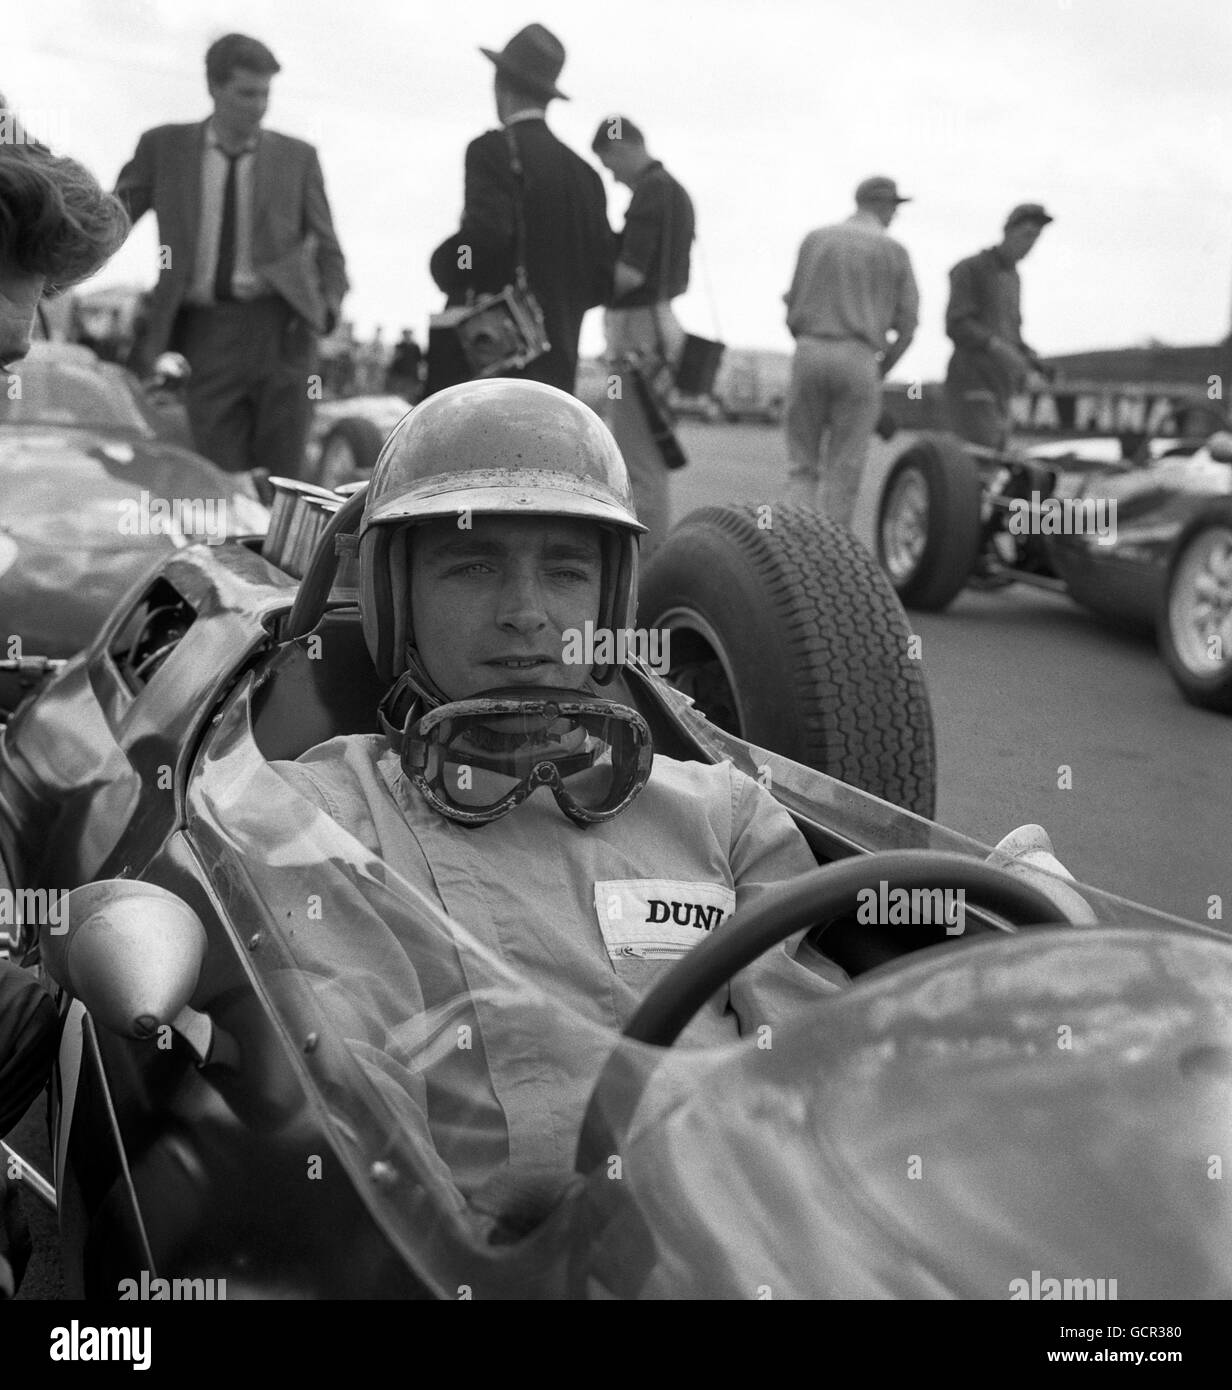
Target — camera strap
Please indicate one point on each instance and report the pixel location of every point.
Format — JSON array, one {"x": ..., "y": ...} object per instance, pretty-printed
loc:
[{"x": 519, "y": 215}]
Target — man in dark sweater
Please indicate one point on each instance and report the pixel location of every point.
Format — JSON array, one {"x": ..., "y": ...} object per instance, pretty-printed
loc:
[
  {"x": 652, "y": 268},
  {"x": 984, "y": 321},
  {"x": 569, "y": 244}
]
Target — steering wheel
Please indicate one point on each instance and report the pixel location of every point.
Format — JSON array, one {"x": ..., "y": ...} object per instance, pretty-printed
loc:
[{"x": 785, "y": 908}]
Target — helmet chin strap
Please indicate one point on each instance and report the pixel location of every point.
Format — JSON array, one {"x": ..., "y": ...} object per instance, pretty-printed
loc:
[
  {"x": 428, "y": 690},
  {"x": 415, "y": 693},
  {"x": 412, "y": 695}
]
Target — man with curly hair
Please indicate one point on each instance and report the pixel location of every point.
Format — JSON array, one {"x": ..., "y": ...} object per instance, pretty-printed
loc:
[{"x": 57, "y": 227}]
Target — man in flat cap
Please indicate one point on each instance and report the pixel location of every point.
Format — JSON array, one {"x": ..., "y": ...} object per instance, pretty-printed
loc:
[
  {"x": 852, "y": 289},
  {"x": 652, "y": 268},
  {"x": 984, "y": 322},
  {"x": 569, "y": 245}
]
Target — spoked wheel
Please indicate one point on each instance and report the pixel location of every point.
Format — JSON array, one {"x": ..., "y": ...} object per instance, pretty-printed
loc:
[
  {"x": 904, "y": 524},
  {"x": 1195, "y": 623},
  {"x": 928, "y": 524}
]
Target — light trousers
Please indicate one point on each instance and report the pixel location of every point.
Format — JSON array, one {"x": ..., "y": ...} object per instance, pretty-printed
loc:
[{"x": 832, "y": 407}]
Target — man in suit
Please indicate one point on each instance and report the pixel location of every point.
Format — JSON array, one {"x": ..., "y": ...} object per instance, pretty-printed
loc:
[
  {"x": 569, "y": 245},
  {"x": 251, "y": 270}
]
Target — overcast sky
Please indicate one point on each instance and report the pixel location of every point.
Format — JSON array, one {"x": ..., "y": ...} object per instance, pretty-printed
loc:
[{"x": 1114, "y": 113}]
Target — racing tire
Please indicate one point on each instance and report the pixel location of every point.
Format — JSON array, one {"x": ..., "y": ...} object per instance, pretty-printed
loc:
[
  {"x": 1197, "y": 608},
  {"x": 784, "y": 631},
  {"x": 928, "y": 522},
  {"x": 348, "y": 452}
]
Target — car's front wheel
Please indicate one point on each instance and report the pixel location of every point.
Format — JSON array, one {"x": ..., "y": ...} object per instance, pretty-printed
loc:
[
  {"x": 783, "y": 631},
  {"x": 1195, "y": 620},
  {"x": 928, "y": 523}
]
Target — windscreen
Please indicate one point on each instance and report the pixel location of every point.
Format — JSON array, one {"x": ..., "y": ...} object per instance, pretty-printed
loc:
[{"x": 1038, "y": 1105}]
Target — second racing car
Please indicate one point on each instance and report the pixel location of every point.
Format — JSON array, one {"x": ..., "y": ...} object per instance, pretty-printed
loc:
[{"x": 1129, "y": 512}]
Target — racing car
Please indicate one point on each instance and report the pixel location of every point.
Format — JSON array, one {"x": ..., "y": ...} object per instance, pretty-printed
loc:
[
  {"x": 1034, "y": 1097},
  {"x": 1134, "y": 526},
  {"x": 96, "y": 479}
]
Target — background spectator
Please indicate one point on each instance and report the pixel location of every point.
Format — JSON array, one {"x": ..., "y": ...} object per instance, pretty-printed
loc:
[
  {"x": 652, "y": 268},
  {"x": 853, "y": 287},
  {"x": 254, "y": 271},
  {"x": 568, "y": 240},
  {"x": 984, "y": 322}
]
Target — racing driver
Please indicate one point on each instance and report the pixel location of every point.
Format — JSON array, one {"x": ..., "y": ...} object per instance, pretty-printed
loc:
[{"x": 520, "y": 791}]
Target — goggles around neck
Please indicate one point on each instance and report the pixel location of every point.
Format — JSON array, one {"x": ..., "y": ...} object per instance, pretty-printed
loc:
[{"x": 475, "y": 760}]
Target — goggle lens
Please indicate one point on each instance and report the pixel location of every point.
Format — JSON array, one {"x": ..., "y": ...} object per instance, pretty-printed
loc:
[{"x": 475, "y": 760}]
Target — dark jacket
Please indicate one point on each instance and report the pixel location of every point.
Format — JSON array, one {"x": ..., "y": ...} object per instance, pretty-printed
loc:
[
  {"x": 570, "y": 248},
  {"x": 984, "y": 303},
  {"x": 293, "y": 241}
]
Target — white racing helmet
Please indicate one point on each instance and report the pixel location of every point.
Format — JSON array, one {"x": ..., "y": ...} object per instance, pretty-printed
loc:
[{"x": 496, "y": 447}]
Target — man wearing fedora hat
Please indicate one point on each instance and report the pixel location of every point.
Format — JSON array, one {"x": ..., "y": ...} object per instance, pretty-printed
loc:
[
  {"x": 984, "y": 321},
  {"x": 569, "y": 246},
  {"x": 852, "y": 288}
]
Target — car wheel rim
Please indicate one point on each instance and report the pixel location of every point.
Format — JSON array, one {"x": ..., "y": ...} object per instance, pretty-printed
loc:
[
  {"x": 338, "y": 463},
  {"x": 1200, "y": 604},
  {"x": 904, "y": 525},
  {"x": 700, "y": 667}
]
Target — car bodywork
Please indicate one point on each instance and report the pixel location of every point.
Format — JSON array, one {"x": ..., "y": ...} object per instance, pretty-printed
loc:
[
  {"x": 1123, "y": 576},
  {"x": 1133, "y": 515},
  {"x": 95, "y": 490},
  {"x": 285, "y": 1145}
]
